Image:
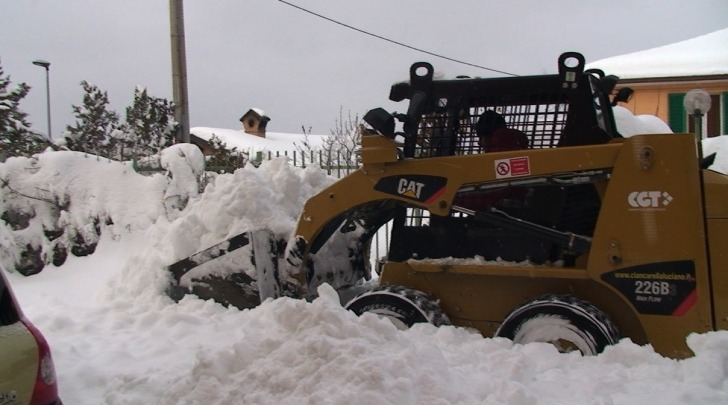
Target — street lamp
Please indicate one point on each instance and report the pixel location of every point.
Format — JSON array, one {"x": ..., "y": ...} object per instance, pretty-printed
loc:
[
  {"x": 46, "y": 65},
  {"x": 697, "y": 104}
]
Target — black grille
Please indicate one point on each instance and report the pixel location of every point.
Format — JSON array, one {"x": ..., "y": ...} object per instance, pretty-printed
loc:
[{"x": 536, "y": 106}]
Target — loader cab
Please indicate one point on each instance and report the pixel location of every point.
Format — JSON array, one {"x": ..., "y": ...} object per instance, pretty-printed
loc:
[
  {"x": 439, "y": 130},
  {"x": 571, "y": 108}
]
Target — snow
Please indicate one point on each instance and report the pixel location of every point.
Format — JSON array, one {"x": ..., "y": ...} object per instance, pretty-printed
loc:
[
  {"x": 674, "y": 60},
  {"x": 629, "y": 124},
  {"x": 259, "y": 111},
  {"x": 118, "y": 339}
]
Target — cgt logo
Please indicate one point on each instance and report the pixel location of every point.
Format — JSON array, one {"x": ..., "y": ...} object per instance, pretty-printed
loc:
[
  {"x": 410, "y": 188},
  {"x": 649, "y": 199}
]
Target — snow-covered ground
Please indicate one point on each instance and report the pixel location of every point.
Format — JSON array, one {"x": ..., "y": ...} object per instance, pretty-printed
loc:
[
  {"x": 118, "y": 339},
  {"x": 113, "y": 347}
]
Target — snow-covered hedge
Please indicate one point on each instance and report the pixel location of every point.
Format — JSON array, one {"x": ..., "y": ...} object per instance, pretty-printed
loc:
[{"x": 57, "y": 203}]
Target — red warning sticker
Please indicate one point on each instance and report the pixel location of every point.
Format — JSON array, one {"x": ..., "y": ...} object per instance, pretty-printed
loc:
[{"x": 513, "y": 167}]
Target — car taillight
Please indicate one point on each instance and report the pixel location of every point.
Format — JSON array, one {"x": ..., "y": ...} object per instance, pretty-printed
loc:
[{"x": 46, "y": 389}]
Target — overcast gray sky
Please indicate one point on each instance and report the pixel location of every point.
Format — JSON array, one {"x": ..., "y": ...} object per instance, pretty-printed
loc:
[{"x": 301, "y": 69}]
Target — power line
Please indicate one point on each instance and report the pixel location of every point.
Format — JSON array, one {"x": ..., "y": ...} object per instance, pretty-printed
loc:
[{"x": 395, "y": 42}]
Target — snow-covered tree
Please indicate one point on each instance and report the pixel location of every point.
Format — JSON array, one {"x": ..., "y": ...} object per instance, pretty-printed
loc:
[
  {"x": 340, "y": 146},
  {"x": 16, "y": 137},
  {"x": 338, "y": 150},
  {"x": 150, "y": 123},
  {"x": 96, "y": 127},
  {"x": 224, "y": 159}
]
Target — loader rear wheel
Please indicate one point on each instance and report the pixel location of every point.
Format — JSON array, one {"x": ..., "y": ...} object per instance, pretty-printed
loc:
[
  {"x": 567, "y": 322},
  {"x": 403, "y": 306}
]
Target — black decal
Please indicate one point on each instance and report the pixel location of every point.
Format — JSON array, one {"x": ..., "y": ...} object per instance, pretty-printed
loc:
[
  {"x": 666, "y": 288},
  {"x": 420, "y": 188}
]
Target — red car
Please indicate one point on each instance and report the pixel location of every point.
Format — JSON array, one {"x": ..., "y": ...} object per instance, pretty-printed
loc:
[{"x": 27, "y": 374}]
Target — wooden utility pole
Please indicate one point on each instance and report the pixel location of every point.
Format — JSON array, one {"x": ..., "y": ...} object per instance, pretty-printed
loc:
[{"x": 179, "y": 70}]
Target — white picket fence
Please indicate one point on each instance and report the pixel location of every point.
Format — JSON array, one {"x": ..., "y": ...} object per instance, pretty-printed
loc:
[{"x": 336, "y": 164}]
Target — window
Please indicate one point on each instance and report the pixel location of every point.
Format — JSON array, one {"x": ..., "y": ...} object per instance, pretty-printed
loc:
[
  {"x": 677, "y": 117},
  {"x": 724, "y": 113}
]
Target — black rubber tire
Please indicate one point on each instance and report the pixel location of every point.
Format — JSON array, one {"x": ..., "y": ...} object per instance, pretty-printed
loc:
[
  {"x": 566, "y": 319},
  {"x": 403, "y": 306}
]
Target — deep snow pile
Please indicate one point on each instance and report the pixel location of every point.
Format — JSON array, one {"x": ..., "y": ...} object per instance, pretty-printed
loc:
[
  {"x": 268, "y": 197},
  {"x": 112, "y": 345},
  {"x": 81, "y": 196}
]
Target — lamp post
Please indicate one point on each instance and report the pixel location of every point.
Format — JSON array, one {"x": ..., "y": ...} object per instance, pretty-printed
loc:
[
  {"x": 46, "y": 65},
  {"x": 179, "y": 70},
  {"x": 697, "y": 104}
]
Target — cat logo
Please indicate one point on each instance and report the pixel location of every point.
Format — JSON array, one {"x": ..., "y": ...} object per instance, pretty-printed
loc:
[
  {"x": 419, "y": 187},
  {"x": 410, "y": 188}
]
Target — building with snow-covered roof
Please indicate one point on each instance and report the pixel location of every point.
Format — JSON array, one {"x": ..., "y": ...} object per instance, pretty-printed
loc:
[
  {"x": 254, "y": 139},
  {"x": 660, "y": 78}
]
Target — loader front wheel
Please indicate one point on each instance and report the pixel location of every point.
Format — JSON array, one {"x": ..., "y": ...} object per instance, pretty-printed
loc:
[
  {"x": 403, "y": 306},
  {"x": 567, "y": 322}
]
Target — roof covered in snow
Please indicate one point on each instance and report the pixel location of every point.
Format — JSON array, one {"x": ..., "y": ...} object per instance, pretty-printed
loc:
[
  {"x": 706, "y": 55},
  {"x": 272, "y": 142},
  {"x": 259, "y": 112}
]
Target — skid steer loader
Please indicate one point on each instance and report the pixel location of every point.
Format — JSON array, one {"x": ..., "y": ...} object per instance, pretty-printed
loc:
[{"x": 580, "y": 238}]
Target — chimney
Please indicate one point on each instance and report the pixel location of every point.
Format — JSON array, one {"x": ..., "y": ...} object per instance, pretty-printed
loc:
[{"x": 254, "y": 122}]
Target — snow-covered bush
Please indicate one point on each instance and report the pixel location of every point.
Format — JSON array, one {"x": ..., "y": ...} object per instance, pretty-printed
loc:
[{"x": 56, "y": 203}]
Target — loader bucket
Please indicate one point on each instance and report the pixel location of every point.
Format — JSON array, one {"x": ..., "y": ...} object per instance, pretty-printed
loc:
[{"x": 241, "y": 289}]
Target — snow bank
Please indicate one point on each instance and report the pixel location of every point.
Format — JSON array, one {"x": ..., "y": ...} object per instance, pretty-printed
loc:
[
  {"x": 719, "y": 146},
  {"x": 268, "y": 197},
  {"x": 120, "y": 349}
]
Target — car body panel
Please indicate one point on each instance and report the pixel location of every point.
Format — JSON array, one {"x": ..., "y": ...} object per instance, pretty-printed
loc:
[
  {"x": 19, "y": 360},
  {"x": 21, "y": 348}
]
